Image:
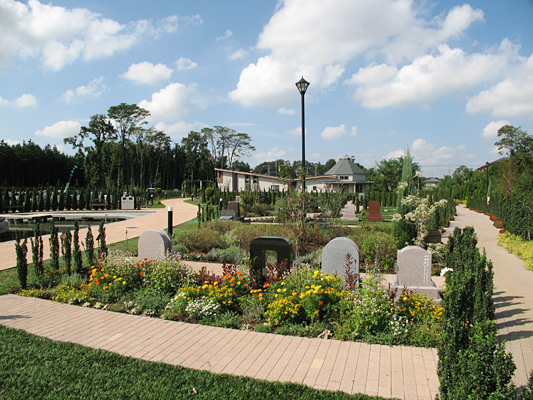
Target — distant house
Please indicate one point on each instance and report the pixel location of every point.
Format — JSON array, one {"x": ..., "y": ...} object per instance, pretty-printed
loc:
[
  {"x": 431, "y": 183},
  {"x": 345, "y": 176}
]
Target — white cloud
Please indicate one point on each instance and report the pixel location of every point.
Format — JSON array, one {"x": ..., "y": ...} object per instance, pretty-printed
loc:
[
  {"x": 184, "y": 64},
  {"x": 12, "y": 142},
  {"x": 274, "y": 153},
  {"x": 317, "y": 39},
  {"x": 335, "y": 132},
  {"x": 286, "y": 111},
  {"x": 147, "y": 73},
  {"x": 461, "y": 147},
  {"x": 296, "y": 132},
  {"x": 491, "y": 129},
  {"x": 170, "y": 103},
  {"x": 60, "y": 36},
  {"x": 93, "y": 89},
  {"x": 495, "y": 151},
  {"x": 26, "y": 101},
  {"x": 424, "y": 153},
  {"x": 61, "y": 129},
  {"x": 238, "y": 54},
  {"x": 23, "y": 101},
  {"x": 428, "y": 77},
  {"x": 227, "y": 34},
  {"x": 510, "y": 97}
]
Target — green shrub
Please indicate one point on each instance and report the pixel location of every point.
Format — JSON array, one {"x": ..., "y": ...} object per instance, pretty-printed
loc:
[
  {"x": 471, "y": 365},
  {"x": 150, "y": 302},
  {"x": 367, "y": 311},
  {"x": 202, "y": 239},
  {"x": 375, "y": 244}
]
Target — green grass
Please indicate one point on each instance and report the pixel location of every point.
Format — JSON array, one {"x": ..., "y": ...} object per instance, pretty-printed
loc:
[{"x": 32, "y": 367}]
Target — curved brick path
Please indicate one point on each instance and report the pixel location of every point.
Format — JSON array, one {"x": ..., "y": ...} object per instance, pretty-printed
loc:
[{"x": 513, "y": 292}]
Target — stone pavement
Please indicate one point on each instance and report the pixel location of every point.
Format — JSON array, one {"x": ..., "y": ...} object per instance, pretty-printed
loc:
[
  {"x": 513, "y": 292},
  {"x": 115, "y": 232}
]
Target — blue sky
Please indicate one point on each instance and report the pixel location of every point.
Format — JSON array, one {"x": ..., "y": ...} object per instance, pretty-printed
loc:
[{"x": 439, "y": 77}]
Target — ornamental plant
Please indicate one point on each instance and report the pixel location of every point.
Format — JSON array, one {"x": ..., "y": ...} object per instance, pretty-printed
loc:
[
  {"x": 367, "y": 311},
  {"x": 420, "y": 214}
]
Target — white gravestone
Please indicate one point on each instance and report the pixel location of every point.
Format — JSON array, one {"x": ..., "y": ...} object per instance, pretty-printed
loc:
[
  {"x": 335, "y": 257},
  {"x": 414, "y": 272},
  {"x": 154, "y": 244}
]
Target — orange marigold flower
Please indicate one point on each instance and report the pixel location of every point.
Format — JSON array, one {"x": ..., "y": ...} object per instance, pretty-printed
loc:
[
  {"x": 320, "y": 303},
  {"x": 316, "y": 312},
  {"x": 141, "y": 273}
]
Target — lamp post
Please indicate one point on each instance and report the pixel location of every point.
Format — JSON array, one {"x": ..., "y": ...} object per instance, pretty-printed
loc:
[
  {"x": 302, "y": 86},
  {"x": 488, "y": 181}
]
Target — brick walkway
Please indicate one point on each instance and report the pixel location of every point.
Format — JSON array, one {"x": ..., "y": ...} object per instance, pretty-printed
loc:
[{"x": 402, "y": 372}]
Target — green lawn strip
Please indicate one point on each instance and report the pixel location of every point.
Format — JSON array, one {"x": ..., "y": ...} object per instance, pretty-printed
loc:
[{"x": 33, "y": 367}]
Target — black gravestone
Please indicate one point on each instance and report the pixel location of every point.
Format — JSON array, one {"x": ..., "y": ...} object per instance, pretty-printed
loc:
[{"x": 281, "y": 245}]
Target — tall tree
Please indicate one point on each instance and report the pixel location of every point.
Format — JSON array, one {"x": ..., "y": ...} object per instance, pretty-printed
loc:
[{"x": 127, "y": 120}]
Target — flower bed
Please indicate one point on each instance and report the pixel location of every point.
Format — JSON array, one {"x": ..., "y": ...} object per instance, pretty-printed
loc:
[{"x": 299, "y": 301}]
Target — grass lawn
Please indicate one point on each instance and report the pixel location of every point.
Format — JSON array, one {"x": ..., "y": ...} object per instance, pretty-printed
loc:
[{"x": 32, "y": 367}]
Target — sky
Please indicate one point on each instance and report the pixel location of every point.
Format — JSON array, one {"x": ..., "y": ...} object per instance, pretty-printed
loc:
[{"x": 438, "y": 77}]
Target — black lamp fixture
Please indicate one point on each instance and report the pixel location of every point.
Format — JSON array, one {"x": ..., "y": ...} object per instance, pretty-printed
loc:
[{"x": 302, "y": 86}]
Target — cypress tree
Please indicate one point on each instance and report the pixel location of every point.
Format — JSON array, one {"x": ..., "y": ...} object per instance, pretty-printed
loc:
[
  {"x": 101, "y": 239},
  {"x": 55, "y": 202},
  {"x": 76, "y": 252},
  {"x": 47, "y": 200},
  {"x": 22, "y": 263},
  {"x": 54, "y": 247},
  {"x": 66, "y": 249},
  {"x": 89, "y": 247},
  {"x": 37, "y": 252}
]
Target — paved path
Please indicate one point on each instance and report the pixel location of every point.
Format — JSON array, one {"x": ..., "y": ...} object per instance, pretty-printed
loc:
[
  {"x": 115, "y": 232},
  {"x": 513, "y": 292}
]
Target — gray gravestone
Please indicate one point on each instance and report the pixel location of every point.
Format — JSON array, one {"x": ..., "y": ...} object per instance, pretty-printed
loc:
[
  {"x": 335, "y": 257},
  {"x": 227, "y": 215},
  {"x": 348, "y": 212},
  {"x": 154, "y": 244},
  {"x": 414, "y": 272}
]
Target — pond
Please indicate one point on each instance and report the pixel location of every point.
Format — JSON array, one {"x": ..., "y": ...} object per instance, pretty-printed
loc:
[{"x": 25, "y": 223}]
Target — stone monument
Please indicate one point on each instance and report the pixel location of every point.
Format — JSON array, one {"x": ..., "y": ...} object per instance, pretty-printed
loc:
[
  {"x": 154, "y": 244},
  {"x": 414, "y": 272},
  {"x": 337, "y": 254},
  {"x": 374, "y": 214}
]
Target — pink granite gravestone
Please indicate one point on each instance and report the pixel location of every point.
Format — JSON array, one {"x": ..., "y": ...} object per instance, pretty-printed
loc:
[{"x": 373, "y": 212}]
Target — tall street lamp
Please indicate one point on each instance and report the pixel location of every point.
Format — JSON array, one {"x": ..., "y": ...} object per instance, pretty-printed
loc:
[{"x": 302, "y": 86}]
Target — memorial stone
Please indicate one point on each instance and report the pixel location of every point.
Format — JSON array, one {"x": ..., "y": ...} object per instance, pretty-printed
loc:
[
  {"x": 335, "y": 257},
  {"x": 414, "y": 272},
  {"x": 154, "y": 244},
  {"x": 374, "y": 214}
]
